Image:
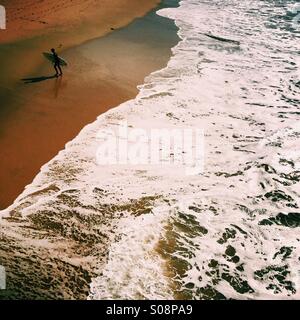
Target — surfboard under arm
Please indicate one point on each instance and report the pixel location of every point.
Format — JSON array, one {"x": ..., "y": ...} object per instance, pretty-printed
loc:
[{"x": 50, "y": 57}]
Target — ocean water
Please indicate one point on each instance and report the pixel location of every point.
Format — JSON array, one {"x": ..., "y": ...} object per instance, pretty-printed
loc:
[{"x": 231, "y": 231}]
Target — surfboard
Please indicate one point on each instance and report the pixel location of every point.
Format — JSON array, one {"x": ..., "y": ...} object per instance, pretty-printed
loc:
[{"x": 49, "y": 56}]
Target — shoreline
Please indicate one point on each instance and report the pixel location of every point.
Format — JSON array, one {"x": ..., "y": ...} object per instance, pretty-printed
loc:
[
  {"x": 42, "y": 117},
  {"x": 74, "y": 253}
]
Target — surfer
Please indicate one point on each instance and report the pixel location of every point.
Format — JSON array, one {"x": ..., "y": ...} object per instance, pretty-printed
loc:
[{"x": 57, "y": 66}]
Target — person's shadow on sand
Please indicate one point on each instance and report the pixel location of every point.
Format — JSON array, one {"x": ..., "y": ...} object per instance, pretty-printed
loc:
[{"x": 37, "y": 79}]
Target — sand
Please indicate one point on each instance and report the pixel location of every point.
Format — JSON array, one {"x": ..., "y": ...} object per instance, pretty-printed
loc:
[
  {"x": 28, "y": 18},
  {"x": 38, "y": 119}
]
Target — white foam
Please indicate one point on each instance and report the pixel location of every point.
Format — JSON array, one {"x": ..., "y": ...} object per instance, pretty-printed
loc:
[{"x": 134, "y": 268}]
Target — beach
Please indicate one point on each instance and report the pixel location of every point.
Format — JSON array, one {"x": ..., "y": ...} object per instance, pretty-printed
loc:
[
  {"x": 39, "y": 117},
  {"x": 189, "y": 190}
]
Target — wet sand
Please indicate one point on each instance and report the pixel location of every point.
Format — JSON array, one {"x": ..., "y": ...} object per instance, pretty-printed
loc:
[{"x": 40, "y": 115}]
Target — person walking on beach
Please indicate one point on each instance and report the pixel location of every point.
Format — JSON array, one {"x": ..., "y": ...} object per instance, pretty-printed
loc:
[{"x": 57, "y": 66}]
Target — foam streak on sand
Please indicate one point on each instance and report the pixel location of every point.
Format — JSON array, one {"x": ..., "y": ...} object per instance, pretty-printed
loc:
[{"x": 231, "y": 232}]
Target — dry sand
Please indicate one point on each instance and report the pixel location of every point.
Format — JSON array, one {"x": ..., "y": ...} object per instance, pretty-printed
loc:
[{"x": 28, "y": 18}]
